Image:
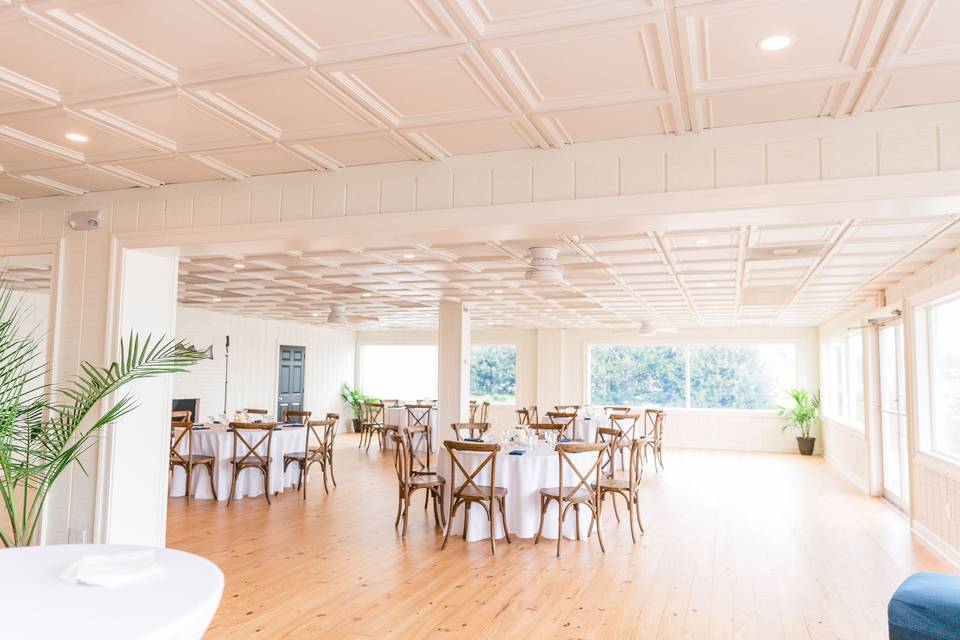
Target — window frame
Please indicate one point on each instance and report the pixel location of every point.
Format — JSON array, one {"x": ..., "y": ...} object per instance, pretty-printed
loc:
[
  {"x": 925, "y": 409},
  {"x": 830, "y": 385},
  {"x": 516, "y": 369},
  {"x": 686, "y": 345}
]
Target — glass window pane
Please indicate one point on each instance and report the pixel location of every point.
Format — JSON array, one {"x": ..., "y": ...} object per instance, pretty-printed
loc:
[
  {"x": 945, "y": 376},
  {"x": 637, "y": 375},
  {"x": 493, "y": 373},
  {"x": 741, "y": 376},
  {"x": 855, "y": 378},
  {"x": 407, "y": 372},
  {"x": 835, "y": 380}
]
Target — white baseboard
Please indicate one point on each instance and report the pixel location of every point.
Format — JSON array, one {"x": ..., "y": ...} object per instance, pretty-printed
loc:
[
  {"x": 937, "y": 543},
  {"x": 849, "y": 474}
]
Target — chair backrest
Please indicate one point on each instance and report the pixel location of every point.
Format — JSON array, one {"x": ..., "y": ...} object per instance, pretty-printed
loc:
[
  {"x": 633, "y": 477},
  {"x": 473, "y": 410},
  {"x": 301, "y": 417},
  {"x": 462, "y": 430},
  {"x": 484, "y": 410},
  {"x": 658, "y": 428},
  {"x": 181, "y": 416},
  {"x": 258, "y": 412},
  {"x": 650, "y": 421},
  {"x": 610, "y": 409},
  {"x": 540, "y": 428},
  {"x": 247, "y": 438},
  {"x": 565, "y": 418},
  {"x": 626, "y": 423},
  {"x": 523, "y": 416},
  {"x": 180, "y": 432},
  {"x": 317, "y": 436},
  {"x": 611, "y": 437},
  {"x": 470, "y": 477},
  {"x": 534, "y": 413},
  {"x": 333, "y": 431},
  {"x": 402, "y": 459},
  {"x": 587, "y": 481},
  {"x": 419, "y": 414},
  {"x": 567, "y": 408},
  {"x": 390, "y": 402},
  {"x": 374, "y": 413}
]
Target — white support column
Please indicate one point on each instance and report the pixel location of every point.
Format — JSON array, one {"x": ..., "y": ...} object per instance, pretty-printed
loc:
[
  {"x": 872, "y": 419},
  {"x": 453, "y": 368},
  {"x": 549, "y": 368},
  {"x": 132, "y": 487}
]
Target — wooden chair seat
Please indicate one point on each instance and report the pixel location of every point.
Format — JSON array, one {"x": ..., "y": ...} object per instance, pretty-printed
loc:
[
  {"x": 241, "y": 461},
  {"x": 613, "y": 484},
  {"x": 580, "y": 496},
  {"x": 198, "y": 459},
  {"x": 484, "y": 492},
  {"x": 425, "y": 481}
]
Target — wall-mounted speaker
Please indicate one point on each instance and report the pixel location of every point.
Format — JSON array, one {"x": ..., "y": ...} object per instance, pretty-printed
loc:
[{"x": 85, "y": 221}]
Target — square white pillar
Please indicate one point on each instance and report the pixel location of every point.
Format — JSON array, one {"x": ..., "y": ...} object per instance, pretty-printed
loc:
[{"x": 453, "y": 368}]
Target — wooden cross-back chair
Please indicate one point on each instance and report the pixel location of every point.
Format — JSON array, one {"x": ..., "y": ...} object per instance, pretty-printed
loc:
[
  {"x": 466, "y": 431},
  {"x": 653, "y": 432},
  {"x": 488, "y": 496},
  {"x": 628, "y": 488},
  {"x": 610, "y": 409},
  {"x": 627, "y": 424},
  {"x": 567, "y": 419},
  {"x": 611, "y": 437},
  {"x": 540, "y": 428},
  {"x": 482, "y": 413},
  {"x": 583, "y": 492},
  {"x": 473, "y": 410},
  {"x": 181, "y": 416},
  {"x": 333, "y": 436},
  {"x": 534, "y": 413},
  {"x": 371, "y": 425},
  {"x": 317, "y": 440},
  {"x": 409, "y": 481},
  {"x": 180, "y": 433},
  {"x": 299, "y": 417},
  {"x": 523, "y": 416},
  {"x": 256, "y": 412},
  {"x": 420, "y": 426},
  {"x": 247, "y": 440}
]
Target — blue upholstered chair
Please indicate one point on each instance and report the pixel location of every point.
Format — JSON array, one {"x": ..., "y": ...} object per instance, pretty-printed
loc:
[{"x": 926, "y": 607}]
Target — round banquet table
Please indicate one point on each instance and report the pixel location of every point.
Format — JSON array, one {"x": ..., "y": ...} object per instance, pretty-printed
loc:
[
  {"x": 522, "y": 476},
  {"x": 214, "y": 440},
  {"x": 397, "y": 416},
  {"x": 178, "y": 603},
  {"x": 585, "y": 427}
]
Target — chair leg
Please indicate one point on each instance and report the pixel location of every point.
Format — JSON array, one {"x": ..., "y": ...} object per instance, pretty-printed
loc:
[
  {"x": 600, "y": 497},
  {"x": 559, "y": 523},
  {"x": 434, "y": 494},
  {"x": 599, "y": 532},
  {"x": 406, "y": 513},
  {"x": 630, "y": 507},
  {"x": 503, "y": 517},
  {"x": 453, "y": 511},
  {"x": 303, "y": 477},
  {"x": 576, "y": 515},
  {"x": 636, "y": 511},
  {"x": 189, "y": 479},
  {"x": 213, "y": 489},
  {"x": 266, "y": 482},
  {"x": 466, "y": 519},
  {"x": 493, "y": 520},
  {"x": 332, "y": 477},
  {"x": 233, "y": 484},
  {"x": 323, "y": 468},
  {"x": 399, "y": 507},
  {"x": 543, "y": 511},
  {"x": 613, "y": 496}
]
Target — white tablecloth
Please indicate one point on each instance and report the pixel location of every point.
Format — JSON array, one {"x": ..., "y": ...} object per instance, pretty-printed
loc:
[
  {"x": 216, "y": 441},
  {"x": 397, "y": 416},
  {"x": 522, "y": 476},
  {"x": 585, "y": 428},
  {"x": 177, "y": 604}
]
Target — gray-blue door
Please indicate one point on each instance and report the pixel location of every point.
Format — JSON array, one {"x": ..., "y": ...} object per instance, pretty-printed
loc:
[{"x": 290, "y": 391}]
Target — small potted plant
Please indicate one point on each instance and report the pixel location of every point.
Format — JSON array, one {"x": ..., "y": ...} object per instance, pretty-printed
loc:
[
  {"x": 804, "y": 413},
  {"x": 354, "y": 398}
]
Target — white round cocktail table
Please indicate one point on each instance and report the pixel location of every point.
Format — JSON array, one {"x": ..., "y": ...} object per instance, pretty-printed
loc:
[{"x": 178, "y": 603}]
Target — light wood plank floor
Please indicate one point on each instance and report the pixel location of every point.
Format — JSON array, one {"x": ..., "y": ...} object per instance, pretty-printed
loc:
[{"x": 738, "y": 545}]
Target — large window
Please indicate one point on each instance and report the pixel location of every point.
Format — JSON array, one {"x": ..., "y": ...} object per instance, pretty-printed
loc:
[
  {"x": 843, "y": 379},
  {"x": 493, "y": 373},
  {"x": 402, "y": 371},
  {"x": 944, "y": 376},
  {"x": 750, "y": 377}
]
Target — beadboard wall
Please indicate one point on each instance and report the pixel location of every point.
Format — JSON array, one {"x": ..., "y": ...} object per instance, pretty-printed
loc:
[{"x": 254, "y": 354}]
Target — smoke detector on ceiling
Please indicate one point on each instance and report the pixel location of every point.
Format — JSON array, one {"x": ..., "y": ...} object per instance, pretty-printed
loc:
[{"x": 543, "y": 265}]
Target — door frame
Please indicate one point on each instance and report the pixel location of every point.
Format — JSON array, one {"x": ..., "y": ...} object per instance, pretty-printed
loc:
[
  {"x": 900, "y": 356},
  {"x": 276, "y": 375}
]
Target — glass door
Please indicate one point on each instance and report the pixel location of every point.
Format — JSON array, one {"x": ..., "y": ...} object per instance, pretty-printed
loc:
[{"x": 893, "y": 414}]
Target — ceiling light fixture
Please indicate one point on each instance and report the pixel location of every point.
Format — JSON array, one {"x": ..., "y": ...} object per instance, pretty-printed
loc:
[
  {"x": 702, "y": 241},
  {"x": 77, "y": 137},
  {"x": 238, "y": 265},
  {"x": 498, "y": 291},
  {"x": 216, "y": 299},
  {"x": 776, "y": 42},
  {"x": 408, "y": 256},
  {"x": 365, "y": 295}
]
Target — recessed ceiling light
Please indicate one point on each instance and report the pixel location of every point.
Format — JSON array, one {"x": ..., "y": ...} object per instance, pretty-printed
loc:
[
  {"x": 365, "y": 295},
  {"x": 408, "y": 256},
  {"x": 711, "y": 284},
  {"x": 77, "y": 137},
  {"x": 238, "y": 265},
  {"x": 216, "y": 299},
  {"x": 498, "y": 291},
  {"x": 702, "y": 241},
  {"x": 316, "y": 315},
  {"x": 776, "y": 42}
]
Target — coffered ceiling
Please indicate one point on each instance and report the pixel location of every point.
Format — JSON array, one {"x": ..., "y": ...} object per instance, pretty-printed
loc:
[
  {"x": 187, "y": 90},
  {"x": 798, "y": 275}
]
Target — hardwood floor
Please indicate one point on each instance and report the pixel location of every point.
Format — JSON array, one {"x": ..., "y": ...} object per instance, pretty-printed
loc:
[{"x": 738, "y": 545}]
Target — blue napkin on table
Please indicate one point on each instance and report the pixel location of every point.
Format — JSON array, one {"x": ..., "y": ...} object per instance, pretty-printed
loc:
[
  {"x": 563, "y": 440},
  {"x": 199, "y": 428},
  {"x": 473, "y": 439},
  {"x": 517, "y": 452}
]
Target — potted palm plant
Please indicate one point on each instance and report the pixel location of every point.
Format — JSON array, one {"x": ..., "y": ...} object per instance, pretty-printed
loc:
[
  {"x": 802, "y": 415},
  {"x": 43, "y": 428},
  {"x": 354, "y": 398}
]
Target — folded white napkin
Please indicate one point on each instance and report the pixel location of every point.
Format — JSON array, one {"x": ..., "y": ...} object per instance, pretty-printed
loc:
[{"x": 114, "y": 570}]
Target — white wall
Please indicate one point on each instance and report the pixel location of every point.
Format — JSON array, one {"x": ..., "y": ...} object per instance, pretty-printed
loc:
[
  {"x": 552, "y": 365},
  {"x": 254, "y": 355}
]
